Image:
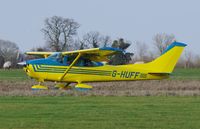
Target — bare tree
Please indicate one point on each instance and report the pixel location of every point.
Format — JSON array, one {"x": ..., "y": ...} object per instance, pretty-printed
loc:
[
  {"x": 40, "y": 49},
  {"x": 197, "y": 61},
  {"x": 59, "y": 31},
  {"x": 162, "y": 40},
  {"x": 188, "y": 59},
  {"x": 94, "y": 39},
  {"x": 8, "y": 52},
  {"x": 142, "y": 49}
]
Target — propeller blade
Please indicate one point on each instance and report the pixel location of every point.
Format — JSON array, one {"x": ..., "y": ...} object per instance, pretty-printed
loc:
[{"x": 22, "y": 63}]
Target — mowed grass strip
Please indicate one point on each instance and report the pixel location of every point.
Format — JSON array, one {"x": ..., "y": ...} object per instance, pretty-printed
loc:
[
  {"x": 13, "y": 74},
  {"x": 188, "y": 74},
  {"x": 100, "y": 112}
]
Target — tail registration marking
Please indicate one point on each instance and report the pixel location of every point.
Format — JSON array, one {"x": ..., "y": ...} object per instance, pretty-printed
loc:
[{"x": 128, "y": 74}]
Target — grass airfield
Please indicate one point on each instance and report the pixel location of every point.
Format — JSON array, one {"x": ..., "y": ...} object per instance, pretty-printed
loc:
[
  {"x": 100, "y": 112},
  {"x": 166, "y": 104}
]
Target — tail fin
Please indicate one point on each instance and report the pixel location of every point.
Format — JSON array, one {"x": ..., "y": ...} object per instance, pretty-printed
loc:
[{"x": 167, "y": 61}]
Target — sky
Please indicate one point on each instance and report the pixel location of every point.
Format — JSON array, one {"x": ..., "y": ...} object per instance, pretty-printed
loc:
[{"x": 21, "y": 21}]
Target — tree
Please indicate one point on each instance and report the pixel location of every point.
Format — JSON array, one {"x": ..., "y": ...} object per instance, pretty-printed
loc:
[
  {"x": 59, "y": 32},
  {"x": 188, "y": 61},
  {"x": 1, "y": 61},
  {"x": 142, "y": 49},
  {"x": 121, "y": 58},
  {"x": 39, "y": 49},
  {"x": 94, "y": 39},
  {"x": 197, "y": 61},
  {"x": 162, "y": 40},
  {"x": 8, "y": 52}
]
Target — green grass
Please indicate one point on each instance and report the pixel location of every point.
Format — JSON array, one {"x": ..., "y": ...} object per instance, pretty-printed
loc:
[
  {"x": 152, "y": 112},
  {"x": 13, "y": 74},
  {"x": 181, "y": 73},
  {"x": 100, "y": 112}
]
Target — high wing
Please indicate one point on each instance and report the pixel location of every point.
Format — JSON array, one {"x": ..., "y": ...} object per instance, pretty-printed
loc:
[
  {"x": 45, "y": 54},
  {"x": 96, "y": 54}
]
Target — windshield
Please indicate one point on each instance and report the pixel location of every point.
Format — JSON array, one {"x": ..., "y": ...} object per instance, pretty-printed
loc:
[{"x": 56, "y": 56}]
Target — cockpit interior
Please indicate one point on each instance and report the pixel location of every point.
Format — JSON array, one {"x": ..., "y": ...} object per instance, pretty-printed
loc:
[{"x": 68, "y": 59}]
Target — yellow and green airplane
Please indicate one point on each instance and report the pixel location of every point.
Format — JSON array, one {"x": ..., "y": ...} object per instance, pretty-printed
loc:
[{"x": 84, "y": 66}]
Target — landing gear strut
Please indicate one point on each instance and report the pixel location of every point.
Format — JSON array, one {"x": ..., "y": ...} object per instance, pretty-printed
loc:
[{"x": 62, "y": 86}]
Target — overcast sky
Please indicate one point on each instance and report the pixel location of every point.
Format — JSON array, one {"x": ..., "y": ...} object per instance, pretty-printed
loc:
[{"x": 136, "y": 20}]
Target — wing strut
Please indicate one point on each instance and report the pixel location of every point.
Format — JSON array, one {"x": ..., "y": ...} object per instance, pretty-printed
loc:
[{"x": 66, "y": 71}]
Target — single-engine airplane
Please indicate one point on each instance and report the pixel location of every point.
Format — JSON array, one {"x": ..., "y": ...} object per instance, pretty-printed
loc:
[{"x": 83, "y": 66}]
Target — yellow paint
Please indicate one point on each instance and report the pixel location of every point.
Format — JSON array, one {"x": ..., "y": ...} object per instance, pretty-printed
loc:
[
  {"x": 59, "y": 85},
  {"x": 39, "y": 87},
  {"x": 83, "y": 86},
  {"x": 159, "y": 68},
  {"x": 66, "y": 71}
]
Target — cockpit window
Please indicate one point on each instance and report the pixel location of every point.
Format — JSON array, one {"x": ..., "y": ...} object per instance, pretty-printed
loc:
[
  {"x": 82, "y": 62},
  {"x": 56, "y": 56},
  {"x": 68, "y": 59}
]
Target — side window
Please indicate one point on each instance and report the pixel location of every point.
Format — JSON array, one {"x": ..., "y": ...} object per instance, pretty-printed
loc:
[
  {"x": 65, "y": 58},
  {"x": 82, "y": 62},
  {"x": 68, "y": 59},
  {"x": 87, "y": 63}
]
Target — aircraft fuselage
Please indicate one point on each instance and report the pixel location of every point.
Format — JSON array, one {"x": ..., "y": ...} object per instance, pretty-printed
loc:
[{"x": 90, "y": 74}]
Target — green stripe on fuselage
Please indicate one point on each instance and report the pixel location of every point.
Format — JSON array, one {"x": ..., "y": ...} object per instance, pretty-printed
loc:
[{"x": 49, "y": 69}]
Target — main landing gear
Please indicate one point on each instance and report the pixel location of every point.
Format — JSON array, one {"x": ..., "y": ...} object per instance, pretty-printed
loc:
[
  {"x": 81, "y": 87},
  {"x": 62, "y": 86},
  {"x": 39, "y": 87}
]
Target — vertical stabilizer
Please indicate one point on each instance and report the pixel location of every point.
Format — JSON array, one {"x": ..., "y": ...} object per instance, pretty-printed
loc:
[{"x": 167, "y": 61}]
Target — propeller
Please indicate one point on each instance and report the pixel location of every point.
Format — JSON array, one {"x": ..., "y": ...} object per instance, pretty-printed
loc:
[{"x": 22, "y": 63}]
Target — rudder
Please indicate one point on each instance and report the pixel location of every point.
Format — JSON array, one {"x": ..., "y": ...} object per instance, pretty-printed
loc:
[{"x": 167, "y": 61}]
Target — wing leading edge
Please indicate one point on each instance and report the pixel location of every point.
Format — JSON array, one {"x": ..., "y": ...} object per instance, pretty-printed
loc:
[{"x": 95, "y": 54}]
